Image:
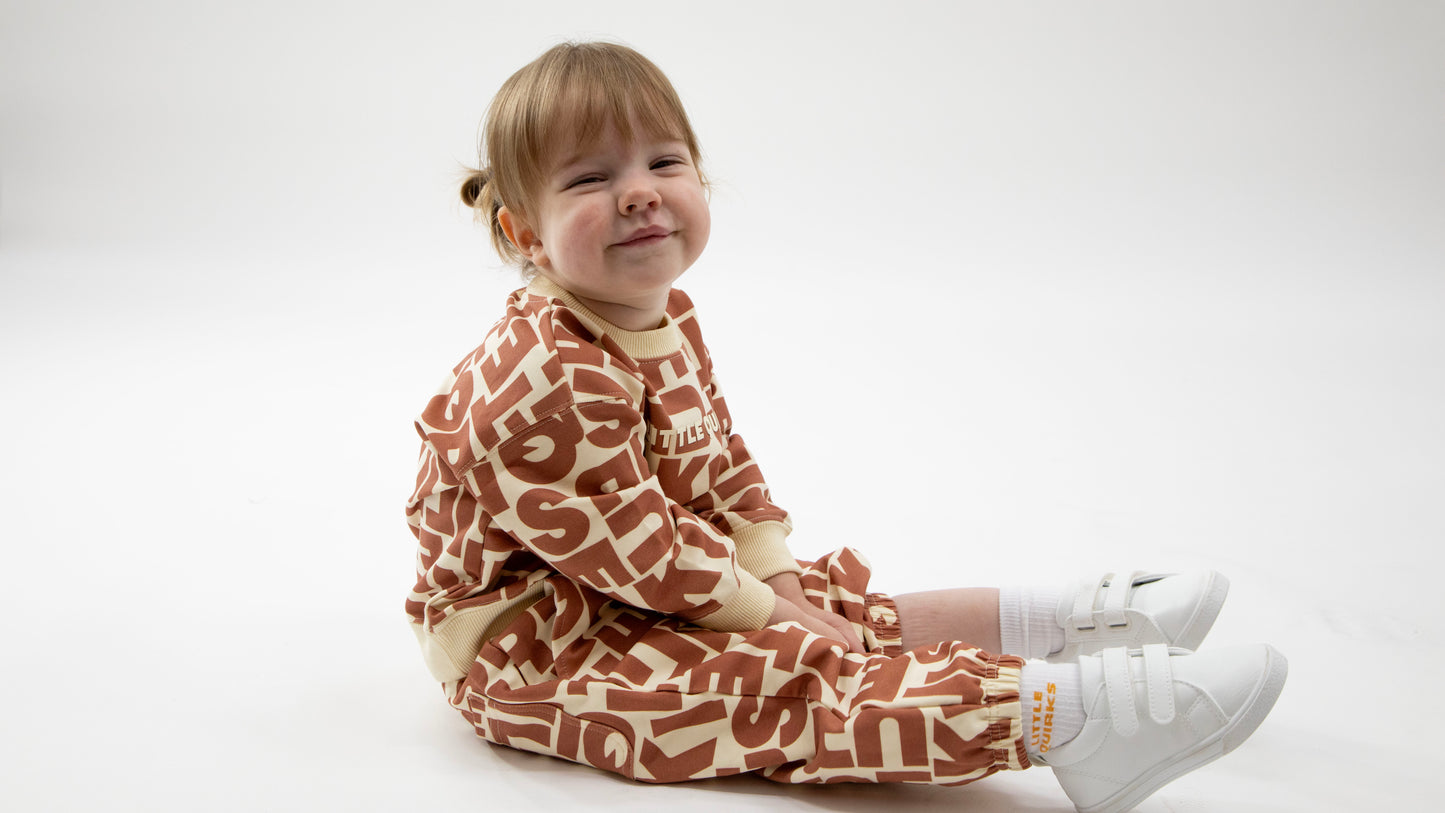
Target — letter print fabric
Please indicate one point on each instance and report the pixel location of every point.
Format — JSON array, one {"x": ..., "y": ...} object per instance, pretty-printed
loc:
[
  {"x": 554, "y": 449},
  {"x": 592, "y": 538},
  {"x": 659, "y": 700}
]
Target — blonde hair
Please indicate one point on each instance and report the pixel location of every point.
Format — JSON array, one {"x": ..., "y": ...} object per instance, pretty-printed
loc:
[{"x": 576, "y": 90}]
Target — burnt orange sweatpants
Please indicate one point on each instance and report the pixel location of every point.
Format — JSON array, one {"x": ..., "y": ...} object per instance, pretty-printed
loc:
[{"x": 657, "y": 699}]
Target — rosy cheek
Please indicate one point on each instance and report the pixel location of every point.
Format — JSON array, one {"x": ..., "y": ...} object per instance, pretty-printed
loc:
[
  {"x": 578, "y": 221},
  {"x": 701, "y": 214}
]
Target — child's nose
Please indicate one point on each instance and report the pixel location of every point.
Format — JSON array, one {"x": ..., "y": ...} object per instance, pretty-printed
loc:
[{"x": 639, "y": 194}]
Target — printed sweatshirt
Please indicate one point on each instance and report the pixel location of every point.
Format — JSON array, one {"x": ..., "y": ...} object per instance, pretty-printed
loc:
[{"x": 566, "y": 446}]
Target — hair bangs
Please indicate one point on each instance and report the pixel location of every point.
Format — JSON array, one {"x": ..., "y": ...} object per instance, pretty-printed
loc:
[{"x": 604, "y": 88}]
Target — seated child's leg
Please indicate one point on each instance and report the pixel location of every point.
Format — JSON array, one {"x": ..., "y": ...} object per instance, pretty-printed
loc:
[
  {"x": 1060, "y": 623},
  {"x": 962, "y": 614},
  {"x": 659, "y": 700}
]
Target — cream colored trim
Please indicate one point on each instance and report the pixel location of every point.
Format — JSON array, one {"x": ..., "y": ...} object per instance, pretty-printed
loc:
[
  {"x": 639, "y": 344},
  {"x": 451, "y": 646},
  {"x": 747, "y": 609},
  {"x": 763, "y": 550}
]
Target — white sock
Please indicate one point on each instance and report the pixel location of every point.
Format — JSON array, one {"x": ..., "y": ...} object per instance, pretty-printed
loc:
[
  {"x": 1052, "y": 695},
  {"x": 1028, "y": 623}
]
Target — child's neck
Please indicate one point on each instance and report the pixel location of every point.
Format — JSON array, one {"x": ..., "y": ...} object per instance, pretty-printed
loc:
[{"x": 630, "y": 316}]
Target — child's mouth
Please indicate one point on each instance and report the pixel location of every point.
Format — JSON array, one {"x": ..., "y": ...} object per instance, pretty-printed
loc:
[{"x": 646, "y": 237}]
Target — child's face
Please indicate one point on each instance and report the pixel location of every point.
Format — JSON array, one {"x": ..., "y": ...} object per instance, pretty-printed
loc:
[{"x": 619, "y": 220}]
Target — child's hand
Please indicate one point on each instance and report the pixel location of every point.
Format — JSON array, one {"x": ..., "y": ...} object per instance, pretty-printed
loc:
[{"x": 793, "y": 606}]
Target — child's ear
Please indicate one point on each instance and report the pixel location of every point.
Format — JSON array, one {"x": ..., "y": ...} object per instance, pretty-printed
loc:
[{"x": 522, "y": 235}]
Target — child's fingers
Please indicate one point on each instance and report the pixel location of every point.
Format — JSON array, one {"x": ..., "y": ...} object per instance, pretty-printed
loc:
[
  {"x": 818, "y": 621},
  {"x": 841, "y": 625},
  {"x": 855, "y": 644},
  {"x": 803, "y": 614}
]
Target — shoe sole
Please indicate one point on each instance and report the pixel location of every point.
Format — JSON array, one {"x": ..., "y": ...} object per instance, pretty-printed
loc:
[
  {"x": 1234, "y": 733},
  {"x": 1205, "y": 613}
]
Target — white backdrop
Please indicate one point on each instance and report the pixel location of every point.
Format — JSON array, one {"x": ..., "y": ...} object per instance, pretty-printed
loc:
[{"x": 1001, "y": 292}]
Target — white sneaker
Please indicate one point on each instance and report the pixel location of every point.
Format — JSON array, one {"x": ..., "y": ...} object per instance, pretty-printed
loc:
[
  {"x": 1153, "y": 715},
  {"x": 1138, "y": 608}
]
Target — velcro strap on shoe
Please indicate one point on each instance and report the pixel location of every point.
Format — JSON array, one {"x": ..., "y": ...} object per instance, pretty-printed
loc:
[
  {"x": 1117, "y": 598},
  {"x": 1159, "y": 683},
  {"x": 1084, "y": 602},
  {"x": 1119, "y": 686}
]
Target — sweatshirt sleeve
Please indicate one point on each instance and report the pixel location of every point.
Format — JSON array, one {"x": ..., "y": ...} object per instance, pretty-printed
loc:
[
  {"x": 741, "y": 507},
  {"x": 575, "y": 489},
  {"x": 740, "y": 504}
]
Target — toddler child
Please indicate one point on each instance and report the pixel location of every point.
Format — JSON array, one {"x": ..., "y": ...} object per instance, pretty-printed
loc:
[{"x": 604, "y": 577}]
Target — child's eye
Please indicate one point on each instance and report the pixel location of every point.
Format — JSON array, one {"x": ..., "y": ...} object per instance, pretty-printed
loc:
[
  {"x": 667, "y": 162},
  {"x": 584, "y": 180}
]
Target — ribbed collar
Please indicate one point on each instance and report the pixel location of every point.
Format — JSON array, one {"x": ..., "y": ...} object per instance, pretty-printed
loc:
[{"x": 639, "y": 344}]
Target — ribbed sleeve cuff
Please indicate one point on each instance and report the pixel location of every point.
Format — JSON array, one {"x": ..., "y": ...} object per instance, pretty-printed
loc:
[
  {"x": 748, "y": 609},
  {"x": 762, "y": 550}
]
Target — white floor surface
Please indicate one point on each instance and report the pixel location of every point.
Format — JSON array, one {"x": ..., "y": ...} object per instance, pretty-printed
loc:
[{"x": 1130, "y": 287}]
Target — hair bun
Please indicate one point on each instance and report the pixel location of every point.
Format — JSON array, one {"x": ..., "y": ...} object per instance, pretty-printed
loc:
[{"x": 474, "y": 187}]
